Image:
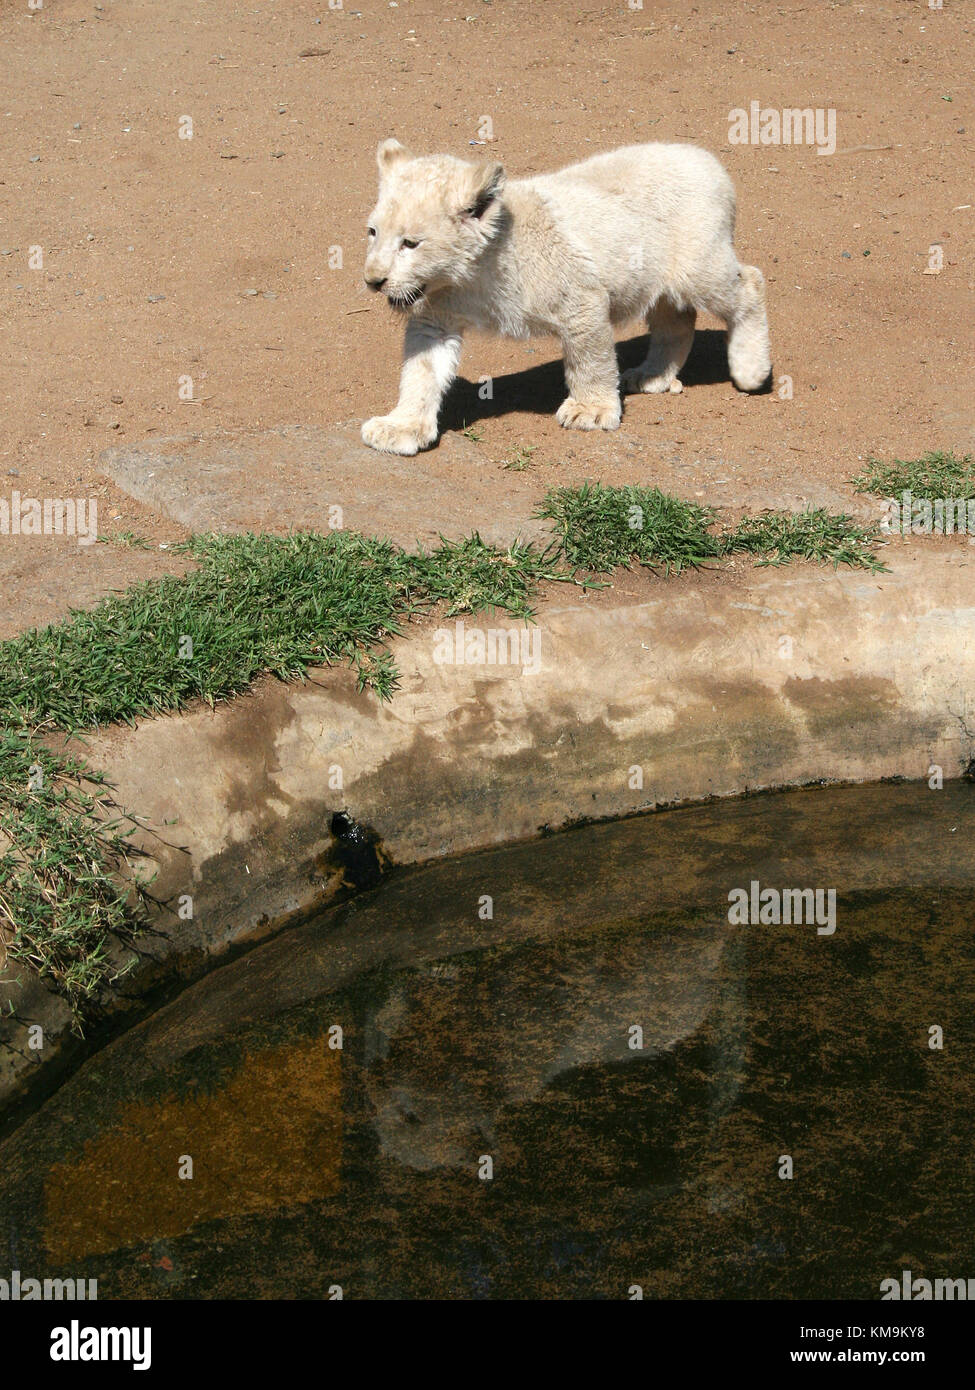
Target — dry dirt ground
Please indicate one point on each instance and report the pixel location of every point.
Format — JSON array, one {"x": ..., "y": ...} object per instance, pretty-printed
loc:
[{"x": 165, "y": 257}]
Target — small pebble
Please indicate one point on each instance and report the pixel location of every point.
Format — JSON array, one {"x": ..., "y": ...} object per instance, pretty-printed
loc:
[
  {"x": 156, "y": 298},
  {"x": 250, "y": 292}
]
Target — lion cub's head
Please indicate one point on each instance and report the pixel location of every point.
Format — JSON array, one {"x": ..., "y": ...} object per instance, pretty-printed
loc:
[{"x": 433, "y": 220}]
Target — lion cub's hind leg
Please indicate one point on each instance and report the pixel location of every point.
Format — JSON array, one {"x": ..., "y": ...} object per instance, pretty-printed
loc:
[
  {"x": 749, "y": 352},
  {"x": 671, "y": 337}
]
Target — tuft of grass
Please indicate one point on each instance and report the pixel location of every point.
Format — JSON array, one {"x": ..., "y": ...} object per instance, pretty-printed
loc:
[
  {"x": 128, "y": 540},
  {"x": 599, "y": 528},
  {"x": 470, "y": 576},
  {"x": 520, "y": 460},
  {"x": 65, "y": 909},
  {"x": 932, "y": 476},
  {"x": 814, "y": 534}
]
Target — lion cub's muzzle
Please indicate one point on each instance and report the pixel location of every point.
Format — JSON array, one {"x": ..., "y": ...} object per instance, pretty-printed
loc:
[{"x": 405, "y": 299}]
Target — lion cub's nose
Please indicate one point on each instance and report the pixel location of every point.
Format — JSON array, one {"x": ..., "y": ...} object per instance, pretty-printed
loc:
[{"x": 376, "y": 284}]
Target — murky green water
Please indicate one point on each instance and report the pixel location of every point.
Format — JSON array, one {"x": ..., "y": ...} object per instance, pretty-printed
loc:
[{"x": 595, "y": 1086}]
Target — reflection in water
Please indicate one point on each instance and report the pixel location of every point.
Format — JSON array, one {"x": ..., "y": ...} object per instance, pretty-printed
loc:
[
  {"x": 507, "y": 1026},
  {"x": 634, "y": 1068}
]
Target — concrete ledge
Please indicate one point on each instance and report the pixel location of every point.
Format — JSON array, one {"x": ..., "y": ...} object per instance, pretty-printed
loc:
[
  {"x": 711, "y": 687},
  {"x": 291, "y": 478}
]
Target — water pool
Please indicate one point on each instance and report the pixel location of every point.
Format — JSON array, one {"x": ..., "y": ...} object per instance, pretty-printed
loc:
[{"x": 552, "y": 1070}]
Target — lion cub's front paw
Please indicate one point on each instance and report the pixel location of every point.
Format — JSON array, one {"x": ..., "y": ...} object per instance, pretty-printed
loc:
[
  {"x": 391, "y": 436},
  {"x": 582, "y": 415}
]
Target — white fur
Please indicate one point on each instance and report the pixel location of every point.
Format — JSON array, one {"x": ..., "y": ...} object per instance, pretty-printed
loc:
[{"x": 642, "y": 232}]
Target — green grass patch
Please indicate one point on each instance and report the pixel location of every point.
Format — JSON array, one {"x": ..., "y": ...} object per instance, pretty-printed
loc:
[
  {"x": 600, "y": 528},
  {"x": 814, "y": 534},
  {"x": 128, "y": 540},
  {"x": 930, "y": 477},
  {"x": 520, "y": 459},
  {"x": 65, "y": 908},
  {"x": 257, "y": 604}
]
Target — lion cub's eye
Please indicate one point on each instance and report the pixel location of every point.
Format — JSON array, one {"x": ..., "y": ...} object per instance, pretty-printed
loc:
[
  {"x": 409, "y": 245},
  {"x": 371, "y": 231}
]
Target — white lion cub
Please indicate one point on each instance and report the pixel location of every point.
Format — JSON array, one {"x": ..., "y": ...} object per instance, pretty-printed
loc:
[{"x": 645, "y": 231}]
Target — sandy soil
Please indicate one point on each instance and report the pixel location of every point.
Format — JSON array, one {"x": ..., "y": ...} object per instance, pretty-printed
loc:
[{"x": 209, "y": 257}]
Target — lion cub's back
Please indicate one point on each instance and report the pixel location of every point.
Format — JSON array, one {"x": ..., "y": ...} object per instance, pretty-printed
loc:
[
  {"x": 651, "y": 219},
  {"x": 646, "y": 180}
]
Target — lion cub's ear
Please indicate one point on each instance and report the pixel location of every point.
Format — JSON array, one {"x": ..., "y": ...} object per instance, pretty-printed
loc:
[
  {"x": 487, "y": 181},
  {"x": 390, "y": 153}
]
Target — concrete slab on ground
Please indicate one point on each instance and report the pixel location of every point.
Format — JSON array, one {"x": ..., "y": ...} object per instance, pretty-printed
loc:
[{"x": 290, "y": 478}]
